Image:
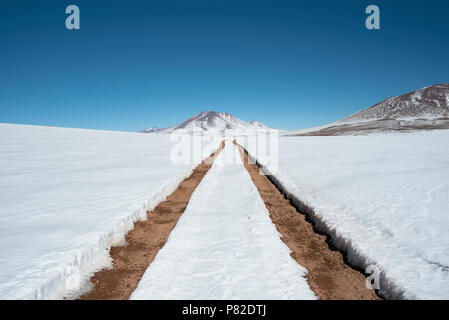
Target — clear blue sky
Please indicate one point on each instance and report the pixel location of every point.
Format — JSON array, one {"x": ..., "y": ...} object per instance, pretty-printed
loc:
[{"x": 289, "y": 64}]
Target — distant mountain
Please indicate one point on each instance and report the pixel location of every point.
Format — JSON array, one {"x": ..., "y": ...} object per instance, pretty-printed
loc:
[
  {"x": 257, "y": 124},
  {"x": 149, "y": 130},
  {"x": 423, "y": 109},
  {"x": 212, "y": 122}
]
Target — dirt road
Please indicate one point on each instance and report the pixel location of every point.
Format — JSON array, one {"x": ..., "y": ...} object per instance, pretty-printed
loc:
[{"x": 328, "y": 274}]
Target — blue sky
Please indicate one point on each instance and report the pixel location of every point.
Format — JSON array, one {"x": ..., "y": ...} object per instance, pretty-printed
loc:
[{"x": 289, "y": 64}]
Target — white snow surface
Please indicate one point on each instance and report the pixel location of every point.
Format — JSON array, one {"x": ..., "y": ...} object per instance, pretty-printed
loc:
[
  {"x": 224, "y": 246},
  {"x": 67, "y": 195},
  {"x": 384, "y": 199}
]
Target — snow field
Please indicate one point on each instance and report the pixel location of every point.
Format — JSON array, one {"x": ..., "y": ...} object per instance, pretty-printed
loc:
[{"x": 68, "y": 195}]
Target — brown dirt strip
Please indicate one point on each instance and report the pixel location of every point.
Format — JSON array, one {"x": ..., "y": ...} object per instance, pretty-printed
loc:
[
  {"x": 328, "y": 274},
  {"x": 145, "y": 241}
]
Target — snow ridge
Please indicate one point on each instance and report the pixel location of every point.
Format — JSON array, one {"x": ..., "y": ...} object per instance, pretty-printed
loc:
[{"x": 96, "y": 256}]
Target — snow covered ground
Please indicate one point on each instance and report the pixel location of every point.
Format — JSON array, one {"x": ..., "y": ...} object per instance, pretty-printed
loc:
[
  {"x": 67, "y": 195},
  {"x": 224, "y": 246},
  {"x": 383, "y": 198}
]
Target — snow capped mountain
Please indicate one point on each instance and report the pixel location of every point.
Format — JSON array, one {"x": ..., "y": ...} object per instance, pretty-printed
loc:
[
  {"x": 149, "y": 130},
  {"x": 423, "y": 109},
  {"x": 258, "y": 124},
  {"x": 212, "y": 122},
  {"x": 429, "y": 103}
]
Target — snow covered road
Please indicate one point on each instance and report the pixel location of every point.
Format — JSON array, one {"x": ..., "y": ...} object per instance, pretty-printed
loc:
[{"x": 224, "y": 246}]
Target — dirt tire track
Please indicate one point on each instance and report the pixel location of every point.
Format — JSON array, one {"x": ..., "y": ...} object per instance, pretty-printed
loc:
[
  {"x": 328, "y": 274},
  {"x": 144, "y": 241}
]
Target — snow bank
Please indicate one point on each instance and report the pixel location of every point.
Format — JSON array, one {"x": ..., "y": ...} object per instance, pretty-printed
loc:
[
  {"x": 68, "y": 195},
  {"x": 383, "y": 199},
  {"x": 224, "y": 246}
]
